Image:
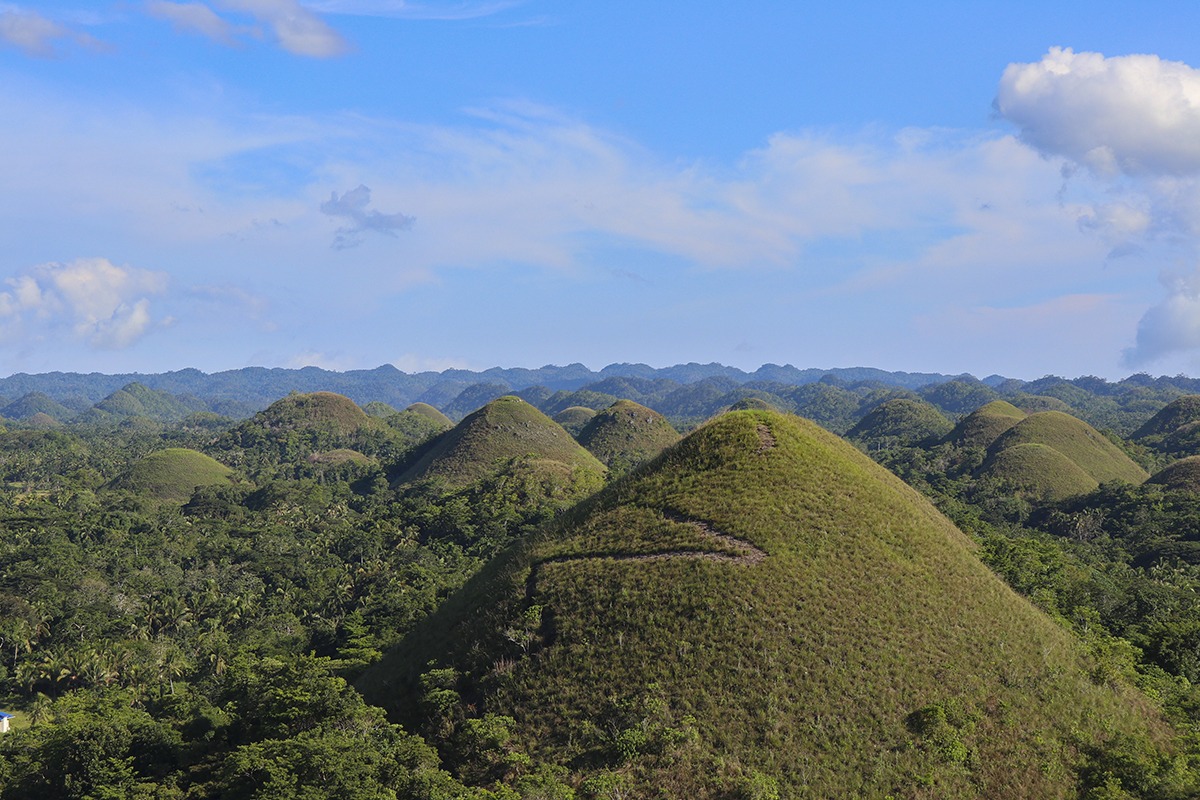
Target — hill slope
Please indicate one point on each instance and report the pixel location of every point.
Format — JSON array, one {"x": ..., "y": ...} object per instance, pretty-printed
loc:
[
  {"x": 627, "y": 433},
  {"x": 172, "y": 474},
  {"x": 900, "y": 422},
  {"x": 1082, "y": 444},
  {"x": 985, "y": 424},
  {"x": 1175, "y": 430},
  {"x": 504, "y": 429},
  {"x": 762, "y": 611}
]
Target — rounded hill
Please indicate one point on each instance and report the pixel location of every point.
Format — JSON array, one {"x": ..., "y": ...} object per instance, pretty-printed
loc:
[
  {"x": 903, "y": 422},
  {"x": 1175, "y": 430},
  {"x": 574, "y": 419},
  {"x": 430, "y": 413},
  {"x": 1082, "y": 444},
  {"x": 763, "y": 611},
  {"x": 1039, "y": 470},
  {"x": 985, "y": 424},
  {"x": 326, "y": 410},
  {"x": 486, "y": 439},
  {"x": 172, "y": 475},
  {"x": 627, "y": 433},
  {"x": 1183, "y": 474}
]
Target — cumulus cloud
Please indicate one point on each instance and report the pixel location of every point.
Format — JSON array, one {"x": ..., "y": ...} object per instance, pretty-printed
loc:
[
  {"x": 34, "y": 33},
  {"x": 296, "y": 28},
  {"x": 352, "y": 205},
  {"x": 97, "y": 301},
  {"x": 1137, "y": 114},
  {"x": 1131, "y": 124}
]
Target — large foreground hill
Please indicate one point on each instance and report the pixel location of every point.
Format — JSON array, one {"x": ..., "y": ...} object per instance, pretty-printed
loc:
[{"x": 762, "y": 611}]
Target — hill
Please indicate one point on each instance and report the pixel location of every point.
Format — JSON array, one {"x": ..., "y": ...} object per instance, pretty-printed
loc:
[
  {"x": 172, "y": 475},
  {"x": 1183, "y": 474},
  {"x": 1040, "y": 471},
  {"x": 761, "y": 612},
  {"x": 319, "y": 410},
  {"x": 504, "y": 429},
  {"x": 574, "y": 418},
  {"x": 137, "y": 400},
  {"x": 1175, "y": 430},
  {"x": 1079, "y": 442},
  {"x": 902, "y": 422},
  {"x": 627, "y": 433},
  {"x": 430, "y": 413},
  {"x": 36, "y": 403},
  {"x": 985, "y": 424}
]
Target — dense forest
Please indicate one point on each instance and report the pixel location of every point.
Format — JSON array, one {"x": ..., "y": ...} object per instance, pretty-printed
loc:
[{"x": 205, "y": 596}]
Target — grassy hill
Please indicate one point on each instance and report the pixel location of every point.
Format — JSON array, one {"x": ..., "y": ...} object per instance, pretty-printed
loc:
[
  {"x": 1041, "y": 471},
  {"x": 430, "y": 413},
  {"x": 172, "y": 475},
  {"x": 1183, "y": 474},
  {"x": 902, "y": 422},
  {"x": 574, "y": 418},
  {"x": 1175, "y": 430},
  {"x": 36, "y": 403},
  {"x": 138, "y": 400},
  {"x": 985, "y": 424},
  {"x": 504, "y": 429},
  {"x": 325, "y": 410},
  {"x": 1079, "y": 442},
  {"x": 627, "y": 433},
  {"x": 761, "y": 612}
]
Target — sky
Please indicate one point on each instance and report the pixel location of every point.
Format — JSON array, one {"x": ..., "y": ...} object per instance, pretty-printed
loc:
[{"x": 989, "y": 187}]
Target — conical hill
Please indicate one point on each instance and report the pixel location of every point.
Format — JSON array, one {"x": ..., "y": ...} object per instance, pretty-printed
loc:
[
  {"x": 172, "y": 475},
  {"x": 1183, "y": 474},
  {"x": 627, "y": 433},
  {"x": 1175, "y": 429},
  {"x": 574, "y": 419},
  {"x": 761, "y": 611},
  {"x": 1079, "y": 442},
  {"x": 985, "y": 424},
  {"x": 901, "y": 421},
  {"x": 486, "y": 439},
  {"x": 328, "y": 411},
  {"x": 430, "y": 413}
]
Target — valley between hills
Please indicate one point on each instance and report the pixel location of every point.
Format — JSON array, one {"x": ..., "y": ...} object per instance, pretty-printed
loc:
[{"x": 633, "y": 583}]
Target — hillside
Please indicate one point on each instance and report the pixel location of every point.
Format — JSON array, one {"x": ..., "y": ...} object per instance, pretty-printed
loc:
[
  {"x": 1079, "y": 442},
  {"x": 902, "y": 422},
  {"x": 502, "y": 430},
  {"x": 985, "y": 424},
  {"x": 36, "y": 403},
  {"x": 172, "y": 475},
  {"x": 1040, "y": 471},
  {"x": 1175, "y": 430},
  {"x": 574, "y": 418},
  {"x": 625, "y": 434},
  {"x": 762, "y": 612},
  {"x": 1183, "y": 474}
]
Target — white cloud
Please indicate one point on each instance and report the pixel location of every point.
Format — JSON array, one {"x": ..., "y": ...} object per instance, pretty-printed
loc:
[
  {"x": 193, "y": 17},
  {"x": 34, "y": 33},
  {"x": 97, "y": 301},
  {"x": 298, "y": 30},
  {"x": 1137, "y": 114},
  {"x": 1130, "y": 125},
  {"x": 407, "y": 10}
]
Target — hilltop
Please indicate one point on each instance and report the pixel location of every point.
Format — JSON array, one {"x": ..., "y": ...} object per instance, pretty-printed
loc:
[
  {"x": 625, "y": 434},
  {"x": 985, "y": 424},
  {"x": 1175, "y": 430},
  {"x": 504, "y": 429},
  {"x": 903, "y": 421},
  {"x": 761, "y": 611},
  {"x": 172, "y": 475}
]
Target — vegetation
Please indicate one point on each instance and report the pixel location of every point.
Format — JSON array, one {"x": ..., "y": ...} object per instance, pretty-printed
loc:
[
  {"x": 625, "y": 434},
  {"x": 172, "y": 475}
]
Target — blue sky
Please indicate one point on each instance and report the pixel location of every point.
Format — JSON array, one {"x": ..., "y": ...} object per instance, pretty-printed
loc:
[{"x": 968, "y": 186}]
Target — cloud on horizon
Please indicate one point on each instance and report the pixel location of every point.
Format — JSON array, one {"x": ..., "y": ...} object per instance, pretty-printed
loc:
[
  {"x": 1132, "y": 123},
  {"x": 103, "y": 304}
]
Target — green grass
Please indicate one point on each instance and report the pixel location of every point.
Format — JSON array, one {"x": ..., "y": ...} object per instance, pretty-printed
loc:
[
  {"x": 1039, "y": 470},
  {"x": 1079, "y": 442},
  {"x": 1183, "y": 474},
  {"x": 172, "y": 475},
  {"x": 693, "y": 677},
  {"x": 485, "y": 440},
  {"x": 985, "y": 424},
  {"x": 431, "y": 414},
  {"x": 627, "y": 433},
  {"x": 574, "y": 419},
  {"x": 1175, "y": 430},
  {"x": 298, "y": 412}
]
